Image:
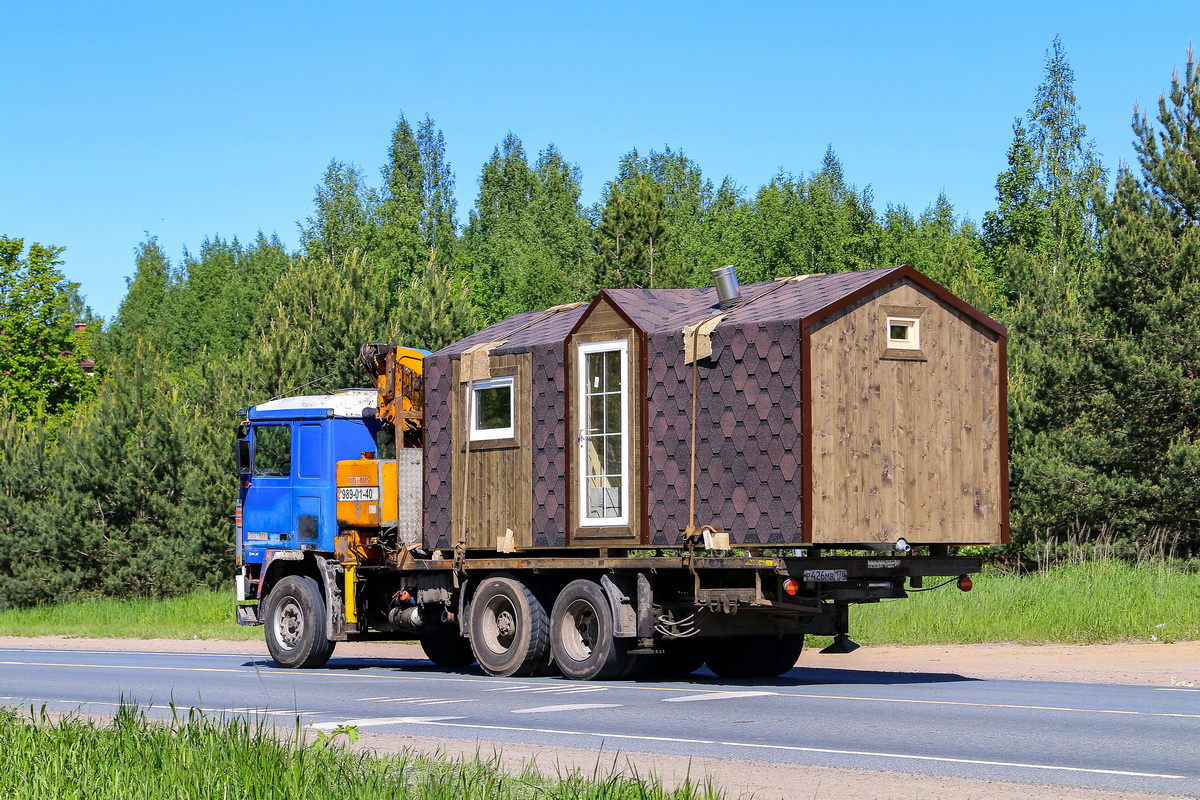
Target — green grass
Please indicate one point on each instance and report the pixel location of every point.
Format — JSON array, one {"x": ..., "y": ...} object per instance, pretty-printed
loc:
[
  {"x": 200, "y": 615},
  {"x": 1104, "y": 601},
  {"x": 201, "y": 758},
  {"x": 1101, "y": 601}
]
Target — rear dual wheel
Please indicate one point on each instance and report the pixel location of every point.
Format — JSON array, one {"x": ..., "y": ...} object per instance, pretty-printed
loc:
[
  {"x": 447, "y": 649},
  {"x": 582, "y": 635},
  {"x": 754, "y": 656},
  {"x": 510, "y": 630}
]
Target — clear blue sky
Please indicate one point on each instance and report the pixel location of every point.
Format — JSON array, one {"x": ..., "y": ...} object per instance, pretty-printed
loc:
[{"x": 183, "y": 121}]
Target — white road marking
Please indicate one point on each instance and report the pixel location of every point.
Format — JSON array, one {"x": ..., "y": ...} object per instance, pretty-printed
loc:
[
  {"x": 443, "y": 702},
  {"x": 1165, "y": 689},
  {"x": 691, "y": 698},
  {"x": 561, "y": 689},
  {"x": 570, "y": 707},
  {"x": 368, "y": 722},
  {"x": 788, "y": 748}
]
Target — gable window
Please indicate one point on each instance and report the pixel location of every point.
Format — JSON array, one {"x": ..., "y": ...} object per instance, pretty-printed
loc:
[
  {"x": 491, "y": 409},
  {"x": 904, "y": 333},
  {"x": 604, "y": 435}
]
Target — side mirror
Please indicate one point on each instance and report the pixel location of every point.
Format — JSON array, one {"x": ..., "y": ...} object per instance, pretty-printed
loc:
[{"x": 242, "y": 449}]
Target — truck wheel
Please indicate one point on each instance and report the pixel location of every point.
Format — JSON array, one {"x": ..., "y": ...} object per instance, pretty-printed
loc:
[
  {"x": 509, "y": 628},
  {"x": 787, "y": 653},
  {"x": 679, "y": 657},
  {"x": 295, "y": 624},
  {"x": 581, "y": 634},
  {"x": 448, "y": 651},
  {"x": 756, "y": 656}
]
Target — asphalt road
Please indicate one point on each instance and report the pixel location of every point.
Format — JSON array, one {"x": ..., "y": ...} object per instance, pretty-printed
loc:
[{"x": 1126, "y": 738}]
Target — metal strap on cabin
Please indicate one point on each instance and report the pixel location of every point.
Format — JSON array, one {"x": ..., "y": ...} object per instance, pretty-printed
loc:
[
  {"x": 703, "y": 349},
  {"x": 474, "y": 364}
]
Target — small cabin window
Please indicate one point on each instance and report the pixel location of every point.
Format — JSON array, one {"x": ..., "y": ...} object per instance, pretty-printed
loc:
[
  {"x": 904, "y": 333},
  {"x": 491, "y": 404}
]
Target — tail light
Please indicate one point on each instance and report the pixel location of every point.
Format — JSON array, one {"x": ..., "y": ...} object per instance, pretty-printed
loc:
[
  {"x": 964, "y": 583},
  {"x": 791, "y": 586}
]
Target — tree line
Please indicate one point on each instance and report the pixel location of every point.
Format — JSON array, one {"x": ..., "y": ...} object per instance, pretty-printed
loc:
[{"x": 119, "y": 483}]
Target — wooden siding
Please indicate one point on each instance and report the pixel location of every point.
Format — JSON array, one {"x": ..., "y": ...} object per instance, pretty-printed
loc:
[
  {"x": 604, "y": 324},
  {"x": 496, "y": 475},
  {"x": 906, "y": 444}
]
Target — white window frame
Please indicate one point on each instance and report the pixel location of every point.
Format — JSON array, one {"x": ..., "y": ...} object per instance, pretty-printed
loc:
[
  {"x": 490, "y": 434},
  {"x": 913, "y": 342},
  {"x": 583, "y": 350}
]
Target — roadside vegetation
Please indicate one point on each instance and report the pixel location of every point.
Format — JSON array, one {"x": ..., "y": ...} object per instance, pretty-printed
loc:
[
  {"x": 203, "y": 614},
  {"x": 199, "y": 757},
  {"x": 1087, "y": 602},
  {"x": 1084, "y": 603}
]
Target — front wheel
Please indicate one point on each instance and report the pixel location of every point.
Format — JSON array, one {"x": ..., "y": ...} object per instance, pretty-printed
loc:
[{"x": 296, "y": 630}]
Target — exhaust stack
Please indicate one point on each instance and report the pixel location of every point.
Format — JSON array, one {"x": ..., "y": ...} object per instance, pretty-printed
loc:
[{"x": 725, "y": 279}]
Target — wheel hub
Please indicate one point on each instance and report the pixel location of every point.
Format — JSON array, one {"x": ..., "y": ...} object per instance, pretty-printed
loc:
[{"x": 289, "y": 626}]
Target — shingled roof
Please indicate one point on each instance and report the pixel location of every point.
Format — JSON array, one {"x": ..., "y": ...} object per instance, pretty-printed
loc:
[
  {"x": 813, "y": 296},
  {"x": 522, "y": 331},
  {"x": 664, "y": 310}
]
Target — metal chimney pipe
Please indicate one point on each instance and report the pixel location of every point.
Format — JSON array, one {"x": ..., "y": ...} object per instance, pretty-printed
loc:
[{"x": 725, "y": 279}]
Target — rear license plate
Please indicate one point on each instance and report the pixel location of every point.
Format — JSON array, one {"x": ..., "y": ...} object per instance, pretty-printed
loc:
[{"x": 825, "y": 575}]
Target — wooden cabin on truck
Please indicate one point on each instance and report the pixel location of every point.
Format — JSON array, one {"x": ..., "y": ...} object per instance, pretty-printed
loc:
[{"x": 654, "y": 480}]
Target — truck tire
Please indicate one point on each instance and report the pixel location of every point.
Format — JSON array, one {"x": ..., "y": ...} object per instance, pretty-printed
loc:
[
  {"x": 510, "y": 631},
  {"x": 754, "y": 656},
  {"x": 448, "y": 650},
  {"x": 679, "y": 657},
  {"x": 581, "y": 634},
  {"x": 295, "y": 624}
]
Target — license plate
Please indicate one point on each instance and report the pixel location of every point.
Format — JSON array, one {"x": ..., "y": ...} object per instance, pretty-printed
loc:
[
  {"x": 358, "y": 494},
  {"x": 825, "y": 575}
]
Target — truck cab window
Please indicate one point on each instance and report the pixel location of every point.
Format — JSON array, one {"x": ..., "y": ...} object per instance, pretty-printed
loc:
[{"x": 273, "y": 450}]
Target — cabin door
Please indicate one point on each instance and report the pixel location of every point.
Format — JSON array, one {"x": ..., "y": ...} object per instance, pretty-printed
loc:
[{"x": 604, "y": 433}]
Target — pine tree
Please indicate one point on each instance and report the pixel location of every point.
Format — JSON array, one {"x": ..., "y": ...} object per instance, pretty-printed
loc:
[
  {"x": 1147, "y": 409},
  {"x": 141, "y": 313},
  {"x": 316, "y": 317},
  {"x": 435, "y": 310},
  {"x": 346, "y": 217},
  {"x": 632, "y": 226},
  {"x": 417, "y": 211},
  {"x": 526, "y": 240},
  {"x": 1047, "y": 197},
  {"x": 686, "y": 199}
]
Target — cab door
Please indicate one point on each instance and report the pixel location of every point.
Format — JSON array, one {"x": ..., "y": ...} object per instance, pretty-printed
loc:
[{"x": 267, "y": 517}]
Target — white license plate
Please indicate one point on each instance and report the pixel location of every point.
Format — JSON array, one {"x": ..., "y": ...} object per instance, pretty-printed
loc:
[
  {"x": 358, "y": 494},
  {"x": 825, "y": 575}
]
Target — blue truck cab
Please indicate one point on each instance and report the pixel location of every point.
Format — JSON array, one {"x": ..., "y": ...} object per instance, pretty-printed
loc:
[{"x": 287, "y": 454}]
